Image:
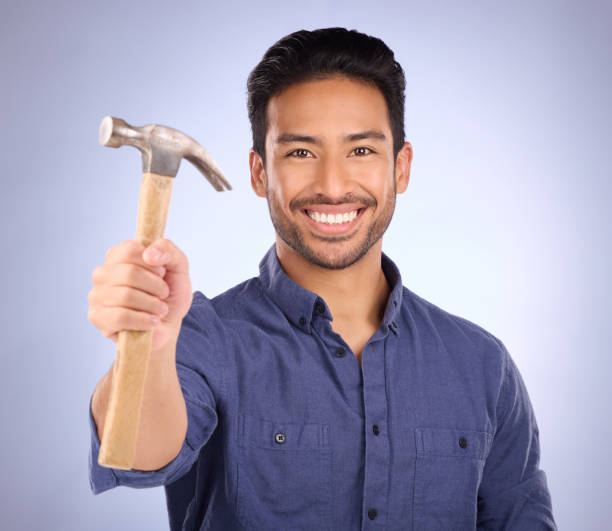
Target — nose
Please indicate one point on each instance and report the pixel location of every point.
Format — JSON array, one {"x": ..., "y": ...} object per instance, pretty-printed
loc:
[{"x": 333, "y": 178}]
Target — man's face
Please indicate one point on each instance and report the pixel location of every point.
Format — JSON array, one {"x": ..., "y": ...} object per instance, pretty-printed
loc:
[{"x": 330, "y": 177}]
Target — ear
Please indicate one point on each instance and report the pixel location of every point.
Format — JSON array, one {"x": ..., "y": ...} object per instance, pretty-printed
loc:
[
  {"x": 402, "y": 168},
  {"x": 258, "y": 173}
]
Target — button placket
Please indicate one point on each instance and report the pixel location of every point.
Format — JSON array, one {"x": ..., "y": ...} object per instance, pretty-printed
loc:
[{"x": 377, "y": 458}]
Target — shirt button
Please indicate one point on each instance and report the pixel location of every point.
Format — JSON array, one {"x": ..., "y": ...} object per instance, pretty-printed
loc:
[
  {"x": 372, "y": 514},
  {"x": 375, "y": 429},
  {"x": 320, "y": 307},
  {"x": 302, "y": 321},
  {"x": 463, "y": 442},
  {"x": 340, "y": 352},
  {"x": 280, "y": 438}
]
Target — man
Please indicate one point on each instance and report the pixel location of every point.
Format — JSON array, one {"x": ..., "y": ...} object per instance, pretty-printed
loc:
[{"x": 322, "y": 394}]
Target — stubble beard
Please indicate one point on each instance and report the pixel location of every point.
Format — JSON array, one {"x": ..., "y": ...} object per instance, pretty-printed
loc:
[{"x": 335, "y": 255}]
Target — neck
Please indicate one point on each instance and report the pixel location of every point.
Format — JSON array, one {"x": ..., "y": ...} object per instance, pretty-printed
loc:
[{"x": 355, "y": 294}]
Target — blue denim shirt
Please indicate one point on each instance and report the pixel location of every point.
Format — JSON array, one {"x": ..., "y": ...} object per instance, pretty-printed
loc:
[{"x": 434, "y": 431}]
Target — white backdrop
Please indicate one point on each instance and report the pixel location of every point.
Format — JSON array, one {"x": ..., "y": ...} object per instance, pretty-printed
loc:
[{"x": 506, "y": 220}]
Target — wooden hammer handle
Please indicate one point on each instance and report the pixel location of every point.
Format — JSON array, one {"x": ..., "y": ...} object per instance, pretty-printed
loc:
[{"x": 118, "y": 444}]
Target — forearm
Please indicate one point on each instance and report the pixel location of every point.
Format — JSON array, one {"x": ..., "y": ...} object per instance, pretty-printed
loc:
[{"x": 163, "y": 418}]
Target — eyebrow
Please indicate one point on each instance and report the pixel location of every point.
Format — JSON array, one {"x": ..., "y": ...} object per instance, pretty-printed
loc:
[{"x": 287, "y": 138}]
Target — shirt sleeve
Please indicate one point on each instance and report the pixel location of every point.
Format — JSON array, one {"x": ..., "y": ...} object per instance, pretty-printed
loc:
[
  {"x": 192, "y": 346},
  {"x": 514, "y": 494}
]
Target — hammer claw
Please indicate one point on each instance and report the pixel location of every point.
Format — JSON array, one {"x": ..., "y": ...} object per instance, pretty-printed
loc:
[{"x": 207, "y": 166}]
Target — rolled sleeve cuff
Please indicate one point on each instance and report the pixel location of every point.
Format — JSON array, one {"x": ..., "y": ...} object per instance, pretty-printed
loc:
[
  {"x": 201, "y": 422},
  {"x": 524, "y": 506}
]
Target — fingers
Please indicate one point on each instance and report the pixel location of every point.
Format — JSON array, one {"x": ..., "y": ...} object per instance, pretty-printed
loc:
[
  {"x": 130, "y": 275},
  {"x": 130, "y": 251},
  {"x": 136, "y": 290},
  {"x": 116, "y": 308},
  {"x": 112, "y": 320},
  {"x": 162, "y": 255},
  {"x": 129, "y": 298}
]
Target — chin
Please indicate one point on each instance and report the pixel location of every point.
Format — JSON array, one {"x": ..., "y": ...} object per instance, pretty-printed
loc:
[{"x": 331, "y": 255}]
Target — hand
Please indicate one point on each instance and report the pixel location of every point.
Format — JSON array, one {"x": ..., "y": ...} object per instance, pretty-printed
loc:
[{"x": 133, "y": 287}]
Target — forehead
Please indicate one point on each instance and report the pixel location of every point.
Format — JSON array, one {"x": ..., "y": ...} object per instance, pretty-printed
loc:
[{"x": 336, "y": 104}]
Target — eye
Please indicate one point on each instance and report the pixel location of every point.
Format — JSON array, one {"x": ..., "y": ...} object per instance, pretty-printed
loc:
[
  {"x": 300, "y": 153},
  {"x": 362, "y": 150}
]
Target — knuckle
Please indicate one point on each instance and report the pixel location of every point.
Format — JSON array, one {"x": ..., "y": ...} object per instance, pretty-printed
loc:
[
  {"x": 130, "y": 247},
  {"x": 131, "y": 274},
  {"x": 96, "y": 274},
  {"x": 120, "y": 318},
  {"x": 124, "y": 294},
  {"x": 164, "y": 289}
]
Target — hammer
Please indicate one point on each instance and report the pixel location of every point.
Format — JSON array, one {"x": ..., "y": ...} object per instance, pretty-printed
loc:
[{"x": 162, "y": 150}]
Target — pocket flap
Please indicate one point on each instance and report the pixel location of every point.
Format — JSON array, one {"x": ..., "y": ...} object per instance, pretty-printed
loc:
[
  {"x": 274, "y": 435},
  {"x": 452, "y": 442}
]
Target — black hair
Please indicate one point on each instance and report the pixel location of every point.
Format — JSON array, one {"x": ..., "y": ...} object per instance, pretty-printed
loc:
[{"x": 319, "y": 54}]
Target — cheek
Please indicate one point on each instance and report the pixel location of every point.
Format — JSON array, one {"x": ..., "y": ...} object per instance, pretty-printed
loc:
[
  {"x": 278, "y": 193},
  {"x": 377, "y": 181},
  {"x": 287, "y": 183}
]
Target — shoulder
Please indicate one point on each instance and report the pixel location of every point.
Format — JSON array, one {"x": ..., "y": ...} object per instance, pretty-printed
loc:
[
  {"x": 233, "y": 302},
  {"x": 451, "y": 330},
  {"x": 230, "y": 298},
  {"x": 214, "y": 324},
  {"x": 243, "y": 304}
]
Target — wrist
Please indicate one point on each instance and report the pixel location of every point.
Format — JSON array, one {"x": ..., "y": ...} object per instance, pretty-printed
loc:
[{"x": 165, "y": 338}]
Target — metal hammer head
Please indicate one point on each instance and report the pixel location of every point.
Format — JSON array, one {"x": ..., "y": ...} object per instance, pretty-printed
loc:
[{"x": 162, "y": 149}]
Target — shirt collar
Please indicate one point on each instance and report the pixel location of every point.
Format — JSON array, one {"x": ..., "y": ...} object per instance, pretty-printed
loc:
[{"x": 302, "y": 306}]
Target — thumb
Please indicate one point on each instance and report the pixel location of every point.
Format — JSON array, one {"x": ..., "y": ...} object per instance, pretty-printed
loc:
[{"x": 164, "y": 253}]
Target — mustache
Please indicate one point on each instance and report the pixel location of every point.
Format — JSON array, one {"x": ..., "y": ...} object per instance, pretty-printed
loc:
[{"x": 300, "y": 204}]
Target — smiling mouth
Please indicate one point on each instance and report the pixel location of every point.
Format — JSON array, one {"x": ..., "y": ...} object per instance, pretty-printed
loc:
[{"x": 333, "y": 222}]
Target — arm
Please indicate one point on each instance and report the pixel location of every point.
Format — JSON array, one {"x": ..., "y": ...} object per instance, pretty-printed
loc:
[
  {"x": 178, "y": 416},
  {"x": 514, "y": 494},
  {"x": 194, "y": 370},
  {"x": 163, "y": 417}
]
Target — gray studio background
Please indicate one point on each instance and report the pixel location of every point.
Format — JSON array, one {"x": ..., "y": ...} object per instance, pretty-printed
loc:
[{"x": 506, "y": 220}]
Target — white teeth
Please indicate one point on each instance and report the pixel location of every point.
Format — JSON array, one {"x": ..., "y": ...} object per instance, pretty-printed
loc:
[{"x": 333, "y": 219}]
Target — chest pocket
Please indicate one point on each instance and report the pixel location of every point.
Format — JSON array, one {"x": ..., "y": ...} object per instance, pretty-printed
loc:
[
  {"x": 284, "y": 475},
  {"x": 448, "y": 472}
]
